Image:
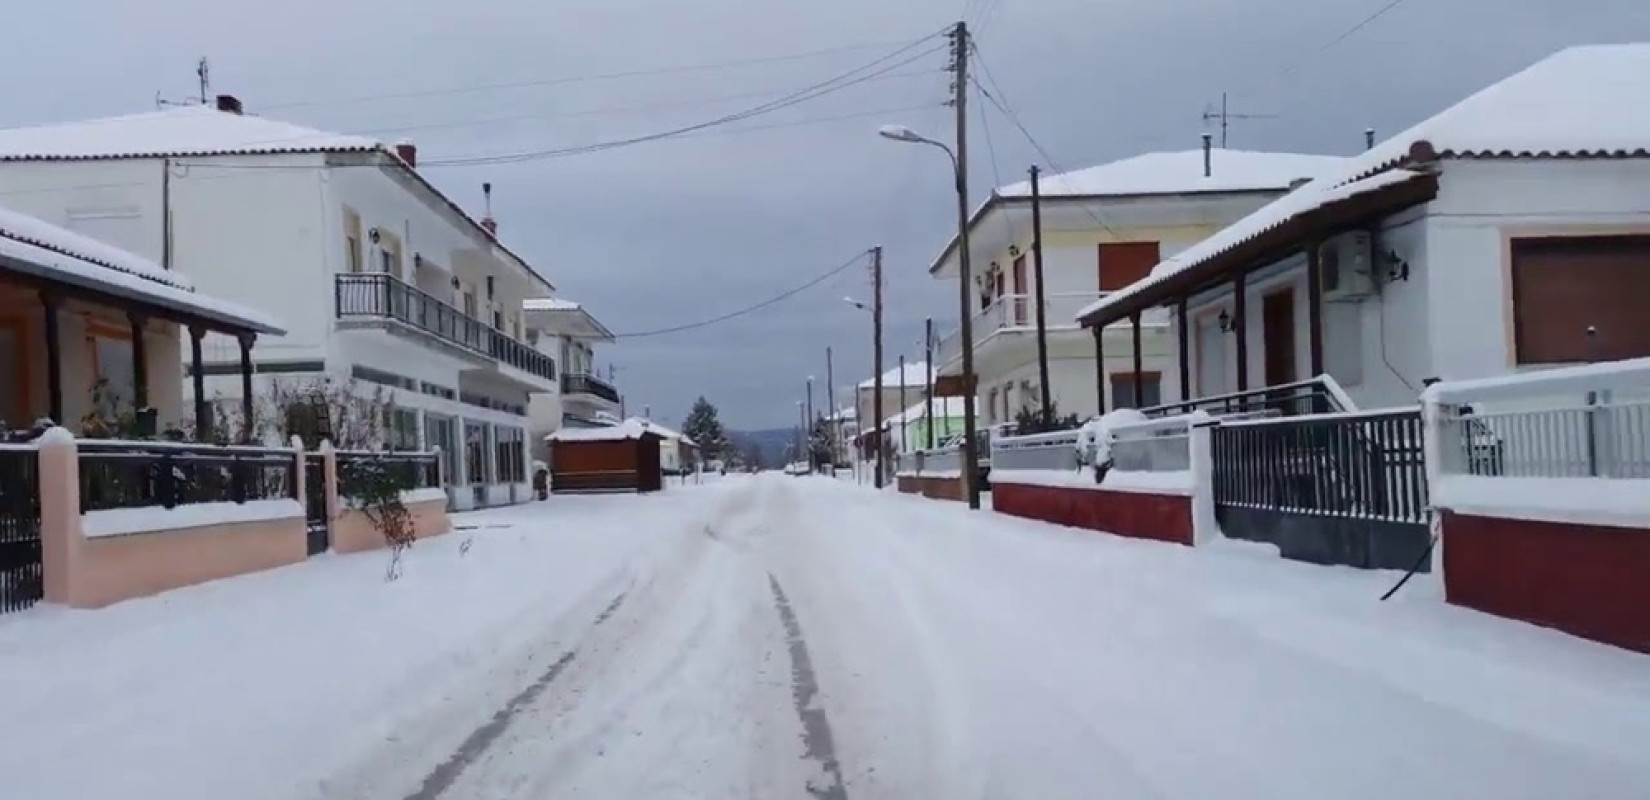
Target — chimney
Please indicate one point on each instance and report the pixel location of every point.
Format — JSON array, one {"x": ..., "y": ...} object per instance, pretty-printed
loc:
[
  {"x": 407, "y": 151},
  {"x": 1208, "y": 155},
  {"x": 1369, "y": 138},
  {"x": 229, "y": 103},
  {"x": 487, "y": 220}
]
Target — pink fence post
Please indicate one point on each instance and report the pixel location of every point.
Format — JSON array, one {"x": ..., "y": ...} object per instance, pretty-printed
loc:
[
  {"x": 61, "y": 538},
  {"x": 299, "y": 485},
  {"x": 329, "y": 475}
]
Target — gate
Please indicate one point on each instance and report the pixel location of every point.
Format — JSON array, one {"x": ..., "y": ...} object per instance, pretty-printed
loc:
[
  {"x": 1331, "y": 489},
  {"x": 22, "y": 581},
  {"x": 315, "y": 503}
]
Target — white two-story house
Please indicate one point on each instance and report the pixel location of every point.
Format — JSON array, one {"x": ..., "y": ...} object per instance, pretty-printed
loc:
[
  {"x": 388, "y": 286},
  {"x": 586, "y": 398},
  {"x": 1103, "y": 228}
]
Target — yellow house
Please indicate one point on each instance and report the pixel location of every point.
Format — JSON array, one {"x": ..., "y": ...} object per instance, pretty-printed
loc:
[
  {"x": 92, "y": 336},
  {"x": 1103, "y": 228}
]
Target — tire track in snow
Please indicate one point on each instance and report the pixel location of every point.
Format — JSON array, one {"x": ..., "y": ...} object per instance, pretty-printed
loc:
[
  {"x": 475, "y": 745},
  {"x": 816, "y": 729}
]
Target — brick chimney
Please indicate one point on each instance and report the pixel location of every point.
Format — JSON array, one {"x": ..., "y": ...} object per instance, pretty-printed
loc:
[
  {"x": 229, "y": 103},
  {"x": 407, "y": 151},
  {"x": 487, "y": 220}
]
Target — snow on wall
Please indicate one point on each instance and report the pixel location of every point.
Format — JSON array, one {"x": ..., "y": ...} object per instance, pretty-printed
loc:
[
  {"x": 154, "y": 519},
  {"x": 1588, "y": 501}
]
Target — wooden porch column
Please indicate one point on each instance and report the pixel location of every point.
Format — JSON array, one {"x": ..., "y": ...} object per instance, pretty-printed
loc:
[
  {"x": 246, "y": 340},
  {"x": 1240, "y": 302},
  {"x": 140, "y": 362},
  {"x": 1185, "y": 351},
  {"x": 1314, "y": 308},
  {"x": 54, "y": 359},
  {"x": 1139, "y": 367},
  {"x": 203, "y": 414},
  {"x": 1100, "y": 368}
]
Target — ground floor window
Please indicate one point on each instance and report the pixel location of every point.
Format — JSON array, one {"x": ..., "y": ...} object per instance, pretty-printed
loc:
[
  {"x": 438, "y": 433},
  {"x": 508, "y": 449},
  {"x": 475, "y": 452},
  {"x": 1125, "y": 394},
  {"x": 402, "y": 428},
  {"x": 1580, "y": 299}
]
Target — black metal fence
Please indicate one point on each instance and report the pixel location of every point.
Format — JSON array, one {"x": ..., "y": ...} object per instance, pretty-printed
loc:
[
  {"x": 156, "y": 474},
  {"x": 22, "y": 581},
  {"x": 581, "y": 383},
  {"x": 358, "y": 471},
  {"x": 1289, "y": 400},
  {"x": 1328, "y": 489},
  {"x": 378, "y": 295}
]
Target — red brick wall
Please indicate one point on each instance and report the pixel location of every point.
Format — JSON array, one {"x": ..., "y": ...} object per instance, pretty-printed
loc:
[
  {"x": 1588, "y": 580},
  {"x": 1140, "y": 515},
  {"x": 942, "y": 488},
  {"x": 909, "y": 484}
]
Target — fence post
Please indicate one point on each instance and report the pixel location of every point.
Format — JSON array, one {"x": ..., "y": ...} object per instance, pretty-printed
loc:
[
  {"x": 1432, "y": 453},
  {"x": 329, "y": 476},
  {"x": 299, "y": 477},
  {"x": 1201, "y": 456},
  {"x": 61, "y": 539}
]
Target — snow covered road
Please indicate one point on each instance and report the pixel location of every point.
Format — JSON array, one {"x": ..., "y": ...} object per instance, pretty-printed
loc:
[{"x": 798, "y": 637}]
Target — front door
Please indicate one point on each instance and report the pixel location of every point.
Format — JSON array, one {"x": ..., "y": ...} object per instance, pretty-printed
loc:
[
  {"x": 1212, "y": 358},
  {"x": 1278, "y": 335}
]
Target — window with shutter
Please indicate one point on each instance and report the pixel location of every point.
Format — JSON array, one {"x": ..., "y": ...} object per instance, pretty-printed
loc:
[{"x": 1122, "y": 263}]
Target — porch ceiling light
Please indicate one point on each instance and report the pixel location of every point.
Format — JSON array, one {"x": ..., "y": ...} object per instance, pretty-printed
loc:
[{"x": 1225, "y": 321}]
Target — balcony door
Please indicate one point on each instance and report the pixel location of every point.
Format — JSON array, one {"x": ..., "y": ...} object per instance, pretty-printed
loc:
[
  {"x": 1020, "y": 290},
  {"x": 1277, "y": 312}
]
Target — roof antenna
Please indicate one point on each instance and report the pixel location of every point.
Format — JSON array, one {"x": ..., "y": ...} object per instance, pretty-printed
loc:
[
  {"x": 202, "y": 73},
  {"x": 1226, "y": 116}
]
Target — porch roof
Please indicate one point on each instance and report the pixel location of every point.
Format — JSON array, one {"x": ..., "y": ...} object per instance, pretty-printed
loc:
[
  {"x": 563, "y": 317},
  {"x": 1279, "y": 229},
  {"x": 50, "y": 254}
]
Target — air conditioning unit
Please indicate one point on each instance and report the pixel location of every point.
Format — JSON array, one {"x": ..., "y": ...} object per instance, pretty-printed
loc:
[{"x": 1346, "y": 266}]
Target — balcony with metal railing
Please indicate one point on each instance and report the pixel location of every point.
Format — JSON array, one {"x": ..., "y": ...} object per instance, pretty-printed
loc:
[
  {"x": 379, "y": 296},
  {"x": 1017, "y": 312},
  {"x": 584, "y": 383}
]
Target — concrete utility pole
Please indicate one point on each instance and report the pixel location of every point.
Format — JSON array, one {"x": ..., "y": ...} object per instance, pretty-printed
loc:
[
  {"x": 959, "y": 100},
  {"x": 835, "y": 425},
  {"x": 876, "y": 358},
  {"x": 928, "y": 377},
  {"x": 902, "y": 423},
  {"x": 1042, "y": 316}
]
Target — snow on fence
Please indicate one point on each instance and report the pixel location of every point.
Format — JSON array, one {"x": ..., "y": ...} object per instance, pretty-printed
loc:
[
  {"x": 1161, "y": 445},
  {"x": 1054, "y": 451},
  {"x": 939, "y": 462},
  {"x": 410, "y": 471},
  {"x": 117, "y": 474},
  {"x": 1586, "y": 422}
]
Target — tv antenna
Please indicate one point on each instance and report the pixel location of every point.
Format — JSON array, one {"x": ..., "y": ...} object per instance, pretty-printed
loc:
[
  {"x": 203, "y": 75},
  {"x": 1225, "y": 115}
]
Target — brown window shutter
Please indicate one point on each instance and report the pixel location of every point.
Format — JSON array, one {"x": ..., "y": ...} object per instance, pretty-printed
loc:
[
  {"x": 1123, "y": 263},
  {"x": 1563, "y": 286}
]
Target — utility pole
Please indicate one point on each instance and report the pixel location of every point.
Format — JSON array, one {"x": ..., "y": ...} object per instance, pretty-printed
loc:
[
  {"x": 876, "y": 358},
  {"x": 1042, "y": 316},
  {"x": 836, "y": 418},
  {"x": 928, "y": 377},
  {"x": 902, "y": 423},
  {"x": 201, "y": 72},
  {"x": 1226, "y": 117},
  {"x": 813, "y": 466},
  {"x": 959, "y": 101}
]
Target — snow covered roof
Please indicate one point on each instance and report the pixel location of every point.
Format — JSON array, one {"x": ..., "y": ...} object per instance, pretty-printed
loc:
[
  {"x": 1181, "y": 172},
  {"x": 662, "y": 431},
  {"x": 62, "y": 255},
  {"x": 1568, "y": 105},
  {"x": 629, "y": 429},
  {"x": 549, "y": 304},
  {"x": 845, "y": 415},
  {"x": 564, "y": 317},
  {"x": 196, "y": 130},
  {"x": 916, "y": 374}
]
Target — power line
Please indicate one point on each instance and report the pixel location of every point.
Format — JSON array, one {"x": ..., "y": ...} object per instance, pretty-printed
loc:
[
  {"x": 1346, "y": 34},
  {"x": 785, "y": 295},
  {"x": 574, "y": 79}
]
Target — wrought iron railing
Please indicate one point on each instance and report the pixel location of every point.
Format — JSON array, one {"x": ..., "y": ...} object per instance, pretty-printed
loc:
[
  {"x": 1367, "y": 465},
  {"x": 358, "y": 470},
  {"x": 586, "y": 383},
  {"x": 1016, "y": 312},
  {"x": 1320, "y": 395},
  {"x": 22, "y": 581},
  {"x": 377, "y": 295},
  {"x": 124, "y": 474},
  {"x": 1548, "y": 426}
]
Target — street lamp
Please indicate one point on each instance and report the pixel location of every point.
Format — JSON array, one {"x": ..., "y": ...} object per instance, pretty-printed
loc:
[{"x": 970, "y": 472}]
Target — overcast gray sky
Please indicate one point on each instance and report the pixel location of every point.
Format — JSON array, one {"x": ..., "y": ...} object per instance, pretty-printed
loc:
[{"x": 676, "y": 231}]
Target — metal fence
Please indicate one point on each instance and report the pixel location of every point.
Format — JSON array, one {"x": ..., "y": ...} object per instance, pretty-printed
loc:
[
  {"x": 1162, "y": 445},
  {"x": 1597, "y": 434},
  {"x": 358, "y": 470},
  {"x": 940, "y": 460},
  {"x": 1057, "y": 451},
  {"x": 1366, "y": 465},
  {"x": 124, "y": 474},
  {"x": 1320, "y": 395},
  {"x": 22, "y": 581}
]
